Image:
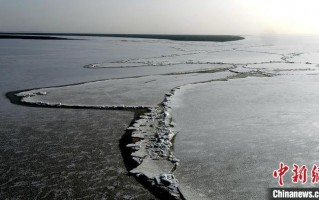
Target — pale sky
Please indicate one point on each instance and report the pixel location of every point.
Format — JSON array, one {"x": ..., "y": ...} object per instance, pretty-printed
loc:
[{"x": 161, "y": 16}]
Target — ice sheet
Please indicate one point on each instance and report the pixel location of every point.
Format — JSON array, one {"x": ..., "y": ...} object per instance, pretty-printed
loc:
[
  {"x": 233, "y": 135},
  {"x": 130, "y": 92},
  {"x": 285, "y": 68}
]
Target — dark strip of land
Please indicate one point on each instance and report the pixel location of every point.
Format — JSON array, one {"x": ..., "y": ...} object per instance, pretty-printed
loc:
[
  {"x": 32, "y": 37},
  {"x": 211, "y": 38}
]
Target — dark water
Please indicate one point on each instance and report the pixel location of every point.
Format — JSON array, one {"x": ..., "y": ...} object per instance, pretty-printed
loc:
[{"x": 60, "y": 153}]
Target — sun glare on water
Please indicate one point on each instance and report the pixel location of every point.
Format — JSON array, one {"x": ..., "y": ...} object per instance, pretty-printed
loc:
[{"x": 284, "y": 16}]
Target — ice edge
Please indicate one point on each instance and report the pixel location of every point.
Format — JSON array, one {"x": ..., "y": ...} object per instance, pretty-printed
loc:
[
  {"x": 146, "y": 146},
  {"x": 151, "y": 145},
  {"x": 150, "y": 136}
]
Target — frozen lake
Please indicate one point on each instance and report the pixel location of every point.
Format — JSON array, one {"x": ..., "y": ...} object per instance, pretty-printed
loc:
[
  {"x": 240, "y": 108},
  {"x": 233, "y": 134}
]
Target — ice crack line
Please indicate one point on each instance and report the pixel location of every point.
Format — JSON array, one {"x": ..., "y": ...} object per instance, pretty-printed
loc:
[
  {"x": 151, "y": 144},
  {"x": 151, "y": 150}
]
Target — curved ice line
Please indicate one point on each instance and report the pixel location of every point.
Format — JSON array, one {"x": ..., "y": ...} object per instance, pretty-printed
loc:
[{"x": 161, "y": 136}]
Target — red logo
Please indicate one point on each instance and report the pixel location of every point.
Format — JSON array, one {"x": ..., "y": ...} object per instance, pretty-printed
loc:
[
  {"x": 280, "y": 173},
  {"x": 299, "y": 174},
  {"x": 315, "y": 174}
]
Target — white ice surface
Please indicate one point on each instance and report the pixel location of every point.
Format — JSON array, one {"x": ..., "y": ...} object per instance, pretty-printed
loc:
[
  {"x": 143, "y": 91},
  {"x": 233, "y": 134},
  {"x": 285, "y": 68}
]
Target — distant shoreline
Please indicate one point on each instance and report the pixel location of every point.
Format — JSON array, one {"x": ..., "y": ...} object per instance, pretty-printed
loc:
[
  {"x": 204, "y": 38},
  {"x": 31, "y": 37}
]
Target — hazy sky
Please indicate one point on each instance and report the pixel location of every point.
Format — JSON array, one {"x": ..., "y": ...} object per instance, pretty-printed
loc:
[{"x": 161, "y": 16}]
